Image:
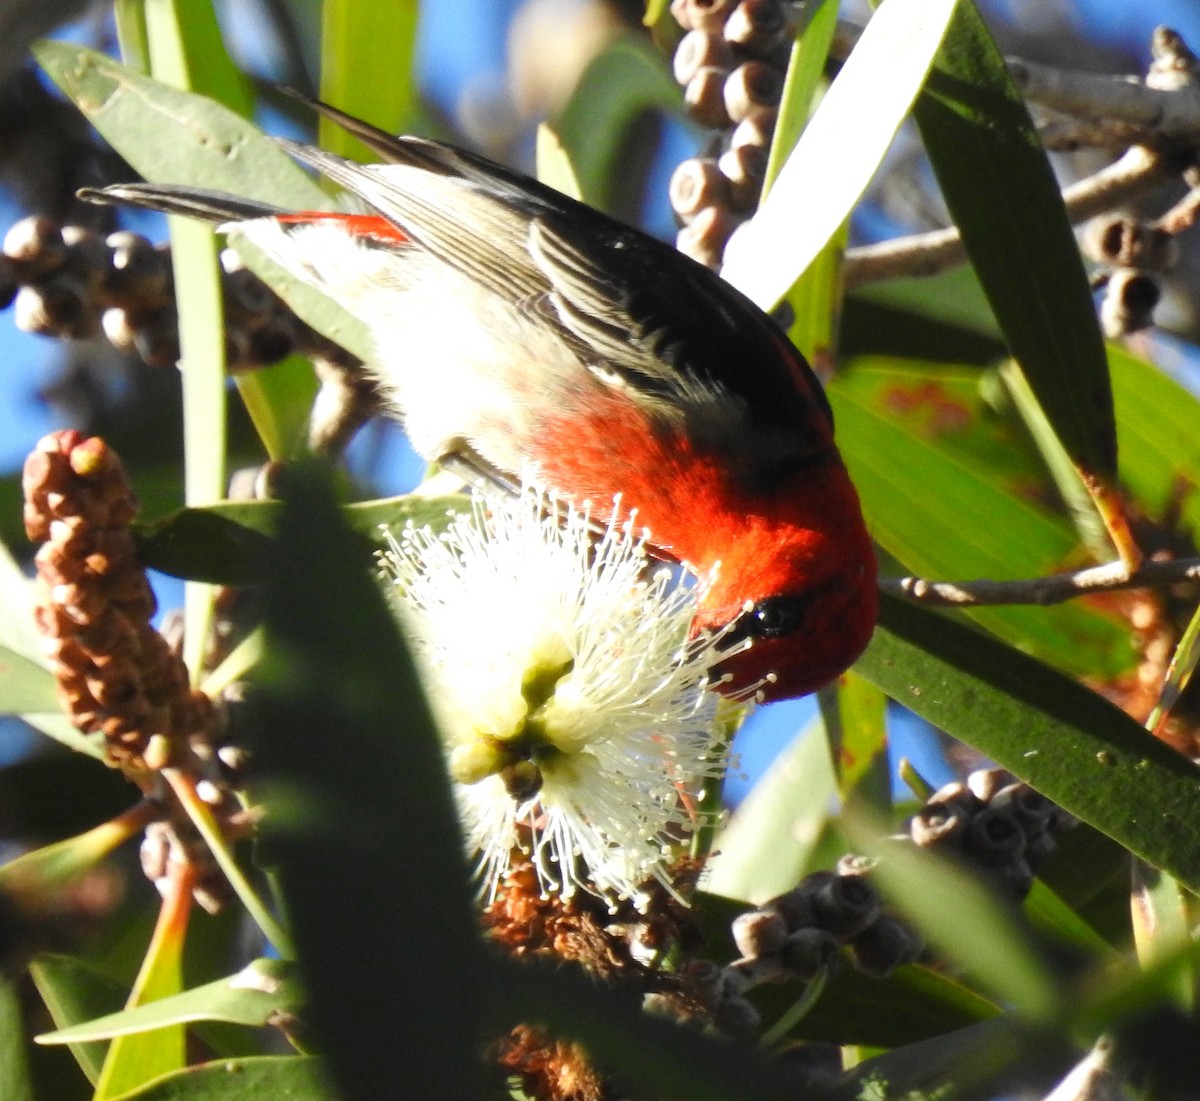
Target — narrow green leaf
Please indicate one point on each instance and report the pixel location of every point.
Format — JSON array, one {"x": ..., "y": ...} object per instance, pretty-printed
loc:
[
  {"x": 857, "y": 730},
  {"x": 15, "y": 1082},
  {"x": 1066, "y": 741},
  {"x": 74, "y": 991},
  {"x": 1080, "y": 505},
  {"x": 554, "y": 167},
  {"x": 626, "y": 79},
  {"x": 983, "y": 1061},
  {"x": 1160, "y": 448},
  {"x": 25, "y": 685},
  {"x": 1161, "y": 924},
  {"x": 129, "y": 17},
  {"x": 226, "y": 543},
  {"x": 172, "y": 136},
  {"x": 57, "y": 726},
  {"x": 137, "y": 1058},
  {"x": 1049, "y": 913},
  {"x": 255, "y": 996},
  {"x": 869, "y": 99},
  {"x": 1003, "y": 197},
  {"x": 360, "y": 825},
  {"x": 186, "y": 50},
  {"x": 766, "y": 846},
  {"x": 258, "y": 1078},
  {"x": 367, "y": 68},
  {"x": 279, "y": 399},
  {"x": 806, "y": 71},
  {"x": 925, "y": 450}
]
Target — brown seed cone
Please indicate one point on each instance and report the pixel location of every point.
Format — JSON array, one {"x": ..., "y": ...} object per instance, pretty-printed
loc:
[{"x": 116, "y": 674}]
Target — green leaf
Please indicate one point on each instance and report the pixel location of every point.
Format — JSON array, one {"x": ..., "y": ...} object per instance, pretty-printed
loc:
[
  {"x": 925, "y": 451},
  {"x": 74, "y": 991},
  {"x": 136, "y": 1058},
  {"x": 869, "y": 99},
  {"x": 258, "y": 1078},
  {"x": 1160, "y": 448},
  {"x": 1070, "y": 744},
  {"x": 171, "y": 136},
  {"x": 256, "y": 995},
  {"x": 186, "y": 50},
  {"x": 805, "y": 74},
  {"x": 278, "y": 399},
  {"x": 767, "y": 844},
  {"x": 360, "y": 822},
  {"x": 1004, "y": 198},
  {"x": 25, "y": 685},
  {"x": 622, "y": 82},
  {"x": 15, "y": 1082},
  {"x": 855, "y": 718},
  {"x": 367, "y": 69},
  {"x": 227, "y": 543},
  {"x": 990, "y": 1059}
]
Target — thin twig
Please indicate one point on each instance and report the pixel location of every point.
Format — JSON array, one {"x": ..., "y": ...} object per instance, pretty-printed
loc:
[
  {"x": 924, "y": 254},
  {"x": 1053, "y": 589}
]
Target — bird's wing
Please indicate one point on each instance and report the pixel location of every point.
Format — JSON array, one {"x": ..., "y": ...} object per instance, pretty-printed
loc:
[{"x": 636, "y": 312}]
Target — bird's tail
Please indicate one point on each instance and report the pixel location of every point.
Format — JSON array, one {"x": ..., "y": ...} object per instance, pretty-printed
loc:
[{"x": 210, "y": 206}]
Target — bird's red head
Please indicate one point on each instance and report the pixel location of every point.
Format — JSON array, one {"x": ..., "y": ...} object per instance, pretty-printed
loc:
[{"x": 802, "y": 613}]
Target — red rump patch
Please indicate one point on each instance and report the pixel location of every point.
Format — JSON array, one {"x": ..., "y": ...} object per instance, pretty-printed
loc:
[{"x": 357, "y": 225}]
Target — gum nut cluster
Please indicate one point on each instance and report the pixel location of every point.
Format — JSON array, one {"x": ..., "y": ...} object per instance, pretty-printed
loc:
[
  {"x": 117, "y": 677},
  {"x": 800, "y": 935},
  {"x": 731, "y": 61},
  {"x": 71, "y": 282},
  {"x": 997, "y": 826}
]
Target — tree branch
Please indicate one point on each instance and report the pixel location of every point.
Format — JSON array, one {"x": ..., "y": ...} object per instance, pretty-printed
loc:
[
  {"x": 1053, "y": 589},
  {"x": 923, "y": 254}
]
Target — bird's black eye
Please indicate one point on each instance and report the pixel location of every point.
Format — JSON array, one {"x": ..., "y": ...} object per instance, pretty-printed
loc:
[
  {"x": 774, "y": 617},
  {"x": 777, "y": 616}
]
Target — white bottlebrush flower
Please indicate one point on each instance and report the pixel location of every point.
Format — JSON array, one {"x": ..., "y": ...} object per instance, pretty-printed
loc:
[{"x": 573, "y": 706}]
